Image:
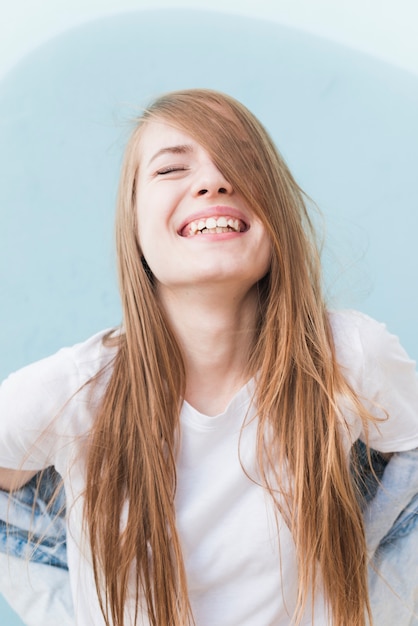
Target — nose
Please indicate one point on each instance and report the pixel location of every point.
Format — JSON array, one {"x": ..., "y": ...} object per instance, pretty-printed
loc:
[{"x": 211, "y": 182}]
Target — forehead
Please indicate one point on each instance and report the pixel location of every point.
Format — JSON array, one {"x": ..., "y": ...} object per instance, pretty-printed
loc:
[
  {"x": 160, "y": 137},
  {"x": 157, "y": 135}
]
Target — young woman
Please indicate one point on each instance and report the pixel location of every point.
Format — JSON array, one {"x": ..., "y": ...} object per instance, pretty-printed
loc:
[{"x": 204, "y": 446}]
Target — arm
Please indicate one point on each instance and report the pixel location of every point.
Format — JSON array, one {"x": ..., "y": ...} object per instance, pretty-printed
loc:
[
  {"x": 35, "y": 412},
  {"x": 399, "y": 484},
  {"x": 14, "y": 479},
  {"x": 385, "y": 379},
  {"x": 392, "y": 382}
]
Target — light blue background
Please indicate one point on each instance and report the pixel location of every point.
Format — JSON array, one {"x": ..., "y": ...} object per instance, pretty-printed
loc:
[{"x": 346, "y": 123}]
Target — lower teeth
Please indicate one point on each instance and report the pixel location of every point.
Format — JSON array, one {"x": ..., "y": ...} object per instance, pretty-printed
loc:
[{"x": 218, "y": 229}]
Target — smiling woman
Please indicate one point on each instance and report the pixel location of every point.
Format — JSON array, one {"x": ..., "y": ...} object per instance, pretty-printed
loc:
[
  {"x": 181, "y": 192},
  {"x": 205, "y": 445}
]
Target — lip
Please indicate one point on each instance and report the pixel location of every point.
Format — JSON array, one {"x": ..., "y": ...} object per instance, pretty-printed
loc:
[{"x": 218, "y": 210}]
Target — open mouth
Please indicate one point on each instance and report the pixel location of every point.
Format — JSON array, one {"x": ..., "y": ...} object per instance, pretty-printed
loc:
[{"x": 214, "y": 225}]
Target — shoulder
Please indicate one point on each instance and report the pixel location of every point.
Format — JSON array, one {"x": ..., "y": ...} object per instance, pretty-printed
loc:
[
  {"x": 47, "y": 404},
  {"x": 93, "y": 355},
  {"x": 66, "y": 370},
  {"x": 367, "y": 352},
  {"x": 382, "y": 374},
  {"x": 348, "y": 325},
  {"x": 360, "y": 340}
]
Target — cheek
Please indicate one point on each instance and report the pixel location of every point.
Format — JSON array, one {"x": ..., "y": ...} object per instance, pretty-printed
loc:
[
  {"x": 148, "y": 243},
  {"x": 152, "y": 217},
  {"x": 265, "y": 248},
  {"x": 146, "y": 229},
  {"x": 153, "y": 248}
]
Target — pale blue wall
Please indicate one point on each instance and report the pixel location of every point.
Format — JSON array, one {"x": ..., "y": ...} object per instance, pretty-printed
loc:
[{"x": 346, "y": 124}]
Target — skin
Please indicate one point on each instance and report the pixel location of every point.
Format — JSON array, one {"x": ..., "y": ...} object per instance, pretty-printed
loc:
[
  {"x": 206, "y": 283},
  {"x": 12, "y": 479}
]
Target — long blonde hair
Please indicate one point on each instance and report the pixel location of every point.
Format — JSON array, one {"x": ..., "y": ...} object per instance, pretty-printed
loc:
[{"x": 132, "y": 452}]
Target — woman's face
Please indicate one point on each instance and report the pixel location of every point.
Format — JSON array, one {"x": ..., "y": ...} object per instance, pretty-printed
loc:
[{"x": 194, "y": 229}]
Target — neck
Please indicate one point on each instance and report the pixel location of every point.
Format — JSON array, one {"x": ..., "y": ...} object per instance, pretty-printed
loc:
[{"x": 216, "y": 333}]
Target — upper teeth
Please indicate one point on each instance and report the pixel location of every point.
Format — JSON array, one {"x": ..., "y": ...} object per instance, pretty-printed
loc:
[{"x": 213, "y": 223}]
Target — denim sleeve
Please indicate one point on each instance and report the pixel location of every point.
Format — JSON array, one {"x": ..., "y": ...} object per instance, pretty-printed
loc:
[
  {"x": 390, "y": 504},
  {"x": 389, "y": 498},
  {"x": 32, "y": 521}
]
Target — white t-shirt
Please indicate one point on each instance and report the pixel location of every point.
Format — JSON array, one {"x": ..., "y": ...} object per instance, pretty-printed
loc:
[{"x": 225, "y": 520}]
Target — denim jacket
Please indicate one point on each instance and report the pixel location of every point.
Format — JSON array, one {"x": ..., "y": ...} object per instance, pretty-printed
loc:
[{"x": 390, "y": 508}]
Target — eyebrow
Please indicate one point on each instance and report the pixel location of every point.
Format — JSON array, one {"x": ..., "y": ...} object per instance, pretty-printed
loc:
[{"x": 180, "y": 149}]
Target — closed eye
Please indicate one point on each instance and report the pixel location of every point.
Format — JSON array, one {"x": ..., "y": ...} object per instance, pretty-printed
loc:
[{"x": 169, "y": 169}]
